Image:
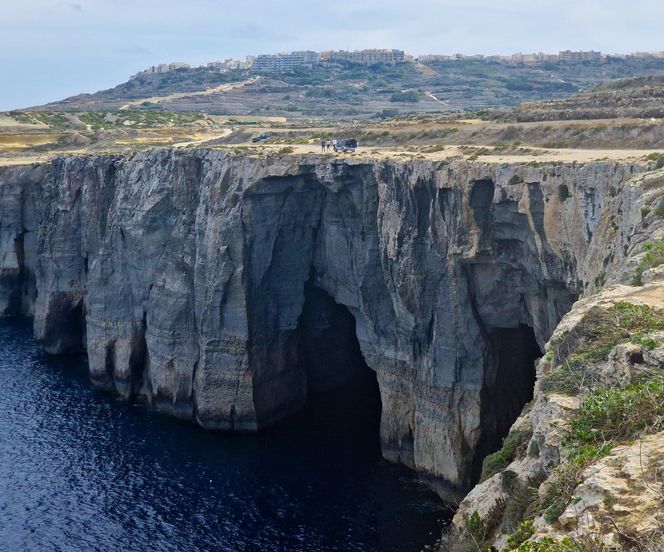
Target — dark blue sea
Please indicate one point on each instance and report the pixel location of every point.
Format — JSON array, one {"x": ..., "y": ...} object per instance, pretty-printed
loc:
[{"x": 82, "y": 470}]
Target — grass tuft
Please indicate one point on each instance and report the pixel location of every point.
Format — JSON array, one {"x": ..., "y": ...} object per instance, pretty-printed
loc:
[
  {"x": 654, "y": 257},
  {"x": 499, "y": 460},
  {"x": 596, "y": 336}
]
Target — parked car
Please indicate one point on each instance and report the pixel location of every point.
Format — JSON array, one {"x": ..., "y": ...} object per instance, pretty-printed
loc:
[
  {"x": 347, "y": 145},
  {"x": 261, "y": 137}
]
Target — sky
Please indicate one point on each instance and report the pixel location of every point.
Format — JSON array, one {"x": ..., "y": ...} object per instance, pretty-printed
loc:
[{"x": 51, "y": 49}]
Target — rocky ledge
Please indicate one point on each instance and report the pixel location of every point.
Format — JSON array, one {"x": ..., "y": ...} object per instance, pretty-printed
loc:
[{"x": 185, "y": 275}]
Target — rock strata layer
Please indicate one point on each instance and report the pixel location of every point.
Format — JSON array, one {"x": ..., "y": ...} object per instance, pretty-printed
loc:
[{"x": 184, "y": 276}]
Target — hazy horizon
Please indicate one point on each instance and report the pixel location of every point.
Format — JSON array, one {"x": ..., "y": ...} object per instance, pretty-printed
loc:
[{"x": 51, "y": 49}]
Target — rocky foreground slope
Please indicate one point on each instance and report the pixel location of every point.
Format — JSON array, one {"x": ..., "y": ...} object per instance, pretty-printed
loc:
[{"x": 184, "y": 275}]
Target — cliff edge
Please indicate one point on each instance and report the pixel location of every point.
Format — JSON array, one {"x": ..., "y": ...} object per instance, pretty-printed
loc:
[{"x": 184, "y": 276}]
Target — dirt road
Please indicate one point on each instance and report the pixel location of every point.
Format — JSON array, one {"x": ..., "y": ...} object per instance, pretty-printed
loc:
[
  {"x": 181, "y": 95},
  {"x": 538, "y": 154}
]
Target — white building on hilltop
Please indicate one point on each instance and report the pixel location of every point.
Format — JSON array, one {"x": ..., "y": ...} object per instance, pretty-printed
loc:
[
  {"x": 229, "y": 65},
  {"x": 366, "y": 57},
  {"x": 283, "y": 63},
  {"x": 568, "y": 56}
]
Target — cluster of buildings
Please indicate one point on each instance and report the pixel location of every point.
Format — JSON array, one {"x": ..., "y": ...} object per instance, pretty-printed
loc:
[
  {"x": 222, "y": 66},
  {"x": 282, "y": 63},
  {"x": 566, "y": 56},
  {"x": 640, "y": 55},
  {"x": 287, "y": 62},
  {"x": 366, "y": 57},
  {"x": 161, "y": 68},
  {"x": 231, "y": 64}
]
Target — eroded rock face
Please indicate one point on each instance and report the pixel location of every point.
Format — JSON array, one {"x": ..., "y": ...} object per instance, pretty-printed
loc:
[
  {"x": 183, "y": 275},
  {"x": 615, "y": 498}
]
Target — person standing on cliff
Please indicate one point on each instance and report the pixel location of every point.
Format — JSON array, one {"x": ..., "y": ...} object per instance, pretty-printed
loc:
[
  {"x": 329, "y": 145},
  {"x": 322, "y": 145}
]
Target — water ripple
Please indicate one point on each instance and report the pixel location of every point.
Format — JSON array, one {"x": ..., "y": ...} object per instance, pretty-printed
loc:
[{"x": 81, "y": 470}]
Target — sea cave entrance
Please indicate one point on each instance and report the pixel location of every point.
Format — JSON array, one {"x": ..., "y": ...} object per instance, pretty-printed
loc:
[
  {"x": 342, "y": 395},
  {"x": 329, "y": 451}
]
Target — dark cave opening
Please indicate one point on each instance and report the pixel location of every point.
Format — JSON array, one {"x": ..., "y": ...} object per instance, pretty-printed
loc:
[
  {"x": 341, "y": 390},
  {"x": 65, "y": 325},
  {"x": 17, "y": 284},
  {"x": 481, "y": 202},
  {"x": 509, "y": 386}
]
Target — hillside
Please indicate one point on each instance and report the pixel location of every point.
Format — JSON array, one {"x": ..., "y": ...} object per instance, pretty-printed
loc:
[
  {"x": 635, "y": 97},
  {"x": 343, "y": 91}
]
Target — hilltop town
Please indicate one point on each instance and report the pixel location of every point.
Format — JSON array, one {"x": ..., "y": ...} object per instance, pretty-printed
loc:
[
  {"x": 289, "y": 61},
  {"x": 362, "y": 85}
]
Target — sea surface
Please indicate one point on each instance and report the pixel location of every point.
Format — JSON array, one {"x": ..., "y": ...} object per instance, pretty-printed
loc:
[{"x": 82, "y": 470}]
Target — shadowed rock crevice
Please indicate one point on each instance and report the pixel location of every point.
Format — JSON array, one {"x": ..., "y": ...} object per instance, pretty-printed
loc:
[
  {"x": 104, "y": 379},
  {"x": 13, "y": 282},
  {"x": 509, "y": 385},
  {"x": 138, "y": 359},
  {"x": 481, "y": 203},
  {"x": 61, "y": 330}
]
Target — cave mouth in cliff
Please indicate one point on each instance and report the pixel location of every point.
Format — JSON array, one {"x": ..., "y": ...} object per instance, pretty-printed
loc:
[
  {"x": 335, "y": 371},
  {"x": 509, "y": 386}
]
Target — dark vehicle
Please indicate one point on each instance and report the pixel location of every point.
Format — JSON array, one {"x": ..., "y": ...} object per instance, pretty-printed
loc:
[
  {"x": 261, "y": 137},
  {"x": 346, "y": 145}
]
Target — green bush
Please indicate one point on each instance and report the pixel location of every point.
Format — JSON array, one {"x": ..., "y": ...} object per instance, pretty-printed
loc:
[
  {"x": 475, "y": 529},
  {"x": 654, "y": 257},
  {"x": 499, "y": 460},
  {"x": 616, "y": 415},
  {"x": 563, "y": 193},
  {"x": 558, "y": 490},
  {"x": 550, "y": 545},
  {"x": 409, "y": 96},
  {"x": 599, "y": 332},
  {"x": 660, "y": 209},
  {"x": 525, "y": 530},
  {"x": 658, "y": 158}
]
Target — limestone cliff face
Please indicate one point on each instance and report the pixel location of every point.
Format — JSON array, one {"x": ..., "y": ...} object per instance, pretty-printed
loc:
[
  {"x": 183, "y": 276},
  {"x": 588, "y": 449}
]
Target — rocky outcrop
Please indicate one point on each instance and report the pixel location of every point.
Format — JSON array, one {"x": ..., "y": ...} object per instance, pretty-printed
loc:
[
  {"x": 184, "y": 276},
  {"x": 588, "y": 459}
]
